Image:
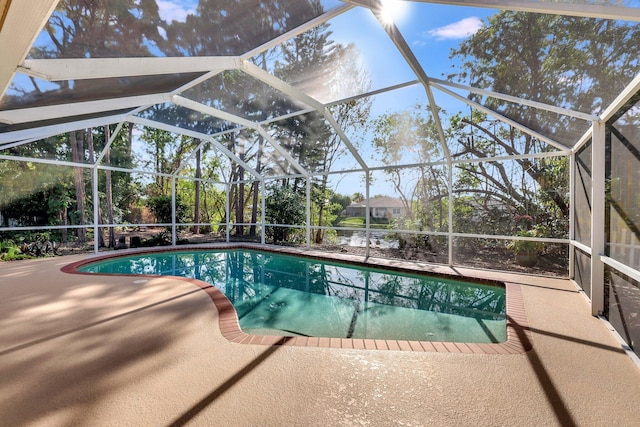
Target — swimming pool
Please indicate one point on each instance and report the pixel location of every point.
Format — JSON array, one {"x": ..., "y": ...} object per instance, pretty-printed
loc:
[{"x": 283, "y": 295}]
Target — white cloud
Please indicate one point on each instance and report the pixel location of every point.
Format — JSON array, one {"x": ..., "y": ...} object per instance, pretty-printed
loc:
[
  {"x": 457, "y": 30},
  {"x": 170, "y": 11},
  {"x": 162, "y": 32}
]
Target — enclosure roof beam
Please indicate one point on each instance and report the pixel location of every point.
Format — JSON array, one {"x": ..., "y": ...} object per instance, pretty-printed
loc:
[
  {"x": 506, "y": 120},
  {"x": 191, "y": 155},
  {"x": 398, "y": 40},
  {"x": 211, "y": 111},
  {"x": 286, "y": 116},
  {"x": 25, "y": 115},
  {"x": 580, "y": 9},
  {"x": 99, "y": 68},
  {"x": 132, "y": 171},
  {"x": 586, "y": 137},
  {"x": 373, "y": 93},
  {"x": 198, "y": 135},
  {"x": 265, "y": 122},
  {"x": 57, "y": 129},
  {"x": 340, "y": 101},
  {"x": 17, "y": 143},
  {"x": 286, "y": 88},
  {"x": 281, "y": 150},
  {"x": 630, "y": 90},
  {"x": 586, "y": 10},
  {"x": 195, "y": 82},
  {"x": 205, "y": 109},
  {"x": 22, "y": 23},
  {"x": 107, "y": 146},
  {"x": 542, "y": 155},
  {"x": 46, "y": 161},
  {"x": 297, "y": 31},
  {"x": 515, "y": 99}
]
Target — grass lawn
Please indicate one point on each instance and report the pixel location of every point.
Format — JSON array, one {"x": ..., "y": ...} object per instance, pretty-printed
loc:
[{"x": 359, "y": 221}]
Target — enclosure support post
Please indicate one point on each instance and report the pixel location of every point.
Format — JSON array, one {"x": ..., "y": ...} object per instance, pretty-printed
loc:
[
  {"x": 308, "y": 230},
  {"x": 227, "y": 211},
  {"x": 450, "y": 213},
  {"x": 572, "y": 218},
  {"x": 597, "y": 217},
  {"x": 96, "y": 210},
  {"x": 262, "y": 214},
  {"x": 173, "y": 211},
  {"x": 367, "y": 219}
]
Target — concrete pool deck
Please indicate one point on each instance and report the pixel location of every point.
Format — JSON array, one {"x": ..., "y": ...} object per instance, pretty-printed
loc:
[{"x": 122, "y": 350}]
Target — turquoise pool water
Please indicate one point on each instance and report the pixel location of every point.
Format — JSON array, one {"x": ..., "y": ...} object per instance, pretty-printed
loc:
[{"x": 276, "y": 294}]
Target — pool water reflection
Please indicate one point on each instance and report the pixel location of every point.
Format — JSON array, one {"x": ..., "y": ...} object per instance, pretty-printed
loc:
[{"x": 276, "y": 294}]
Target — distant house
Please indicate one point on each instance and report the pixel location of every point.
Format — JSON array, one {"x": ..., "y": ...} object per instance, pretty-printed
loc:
[{"x": 381, "y": 207}]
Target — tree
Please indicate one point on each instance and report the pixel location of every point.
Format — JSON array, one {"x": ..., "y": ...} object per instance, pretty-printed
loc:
[
  {"x": 101, "y": 28},
  {"x": 109, "y": 189},
  {"x": 422, "y": 189},
  {"x": 283, "y": 206},
  {"x": 161, "y": 208},
  {"x": 567, "y": 61},
  {"x": 313, "y": 142},
  {"x": 196, "y": 205},
  {"x": 77, "y": 153},
  {"x": 558, "y": 60},
  {"x": 97, "y": 29}
]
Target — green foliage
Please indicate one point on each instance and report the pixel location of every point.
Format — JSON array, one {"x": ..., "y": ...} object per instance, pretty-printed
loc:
[
  {"x": 352, "y": 221},
  {"x": 359, "y": 221},
  {"x": 283, "y": 206},
  {"x": 80, "y": 29},
  {"x": 340, "y": 199},
  {"x": 570, "y": 62},
  {"x": 526, "y": 246},
  {"x": 32, "y": 193},
  {"x": 27, "y": 245},
  {"x": 160, "y": 206},
  {"x": 357, "y": 197},
  {"x": 10, "y": 251},
  {"x": 550, "y": 49},
  {"x": 413, "y": 134},
  {"x": 163, "y": 238}
]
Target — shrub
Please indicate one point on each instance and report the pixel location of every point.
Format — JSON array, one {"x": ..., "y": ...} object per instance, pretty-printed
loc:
[
  {"x": 283, "y": 206},
  {"x": 160, "y": 206},
  {"x": 10, "y": 251},
  {"x": 526, "y": 246}
]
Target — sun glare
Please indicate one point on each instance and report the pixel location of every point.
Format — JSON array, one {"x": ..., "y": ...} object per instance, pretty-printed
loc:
[{"x": 393, "y": 11}]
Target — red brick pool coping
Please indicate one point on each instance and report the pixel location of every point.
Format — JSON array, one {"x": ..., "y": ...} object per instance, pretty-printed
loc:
[{"x": 519, "y": 337}]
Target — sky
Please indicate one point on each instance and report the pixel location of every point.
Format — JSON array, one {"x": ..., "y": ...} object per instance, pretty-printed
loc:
[
  {"x": 430, "y": 30},
  {"x": 176, "y": 10}
]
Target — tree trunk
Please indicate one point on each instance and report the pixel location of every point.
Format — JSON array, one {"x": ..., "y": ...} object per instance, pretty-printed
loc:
[
  {"x": 109, "y": 190},
  {"x": 256, "y": 190},
  {"x": 77, "y": 148},
  {"x": 319, "y": 237},
  {"x": 240, "y": 210},
  {"x": 92, "y": 160},
  {"x": 62, "y": 215},
  {"x": 240, "y": 195},
  {"x": 256, "y": 184},
  {"x": 130, "y": 139},
  {"x": 205, "y": 207},
  {"x": 196, "y": 208}
]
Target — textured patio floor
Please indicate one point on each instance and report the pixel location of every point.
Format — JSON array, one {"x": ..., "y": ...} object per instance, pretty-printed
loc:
[{"x": 129, "y": 351}]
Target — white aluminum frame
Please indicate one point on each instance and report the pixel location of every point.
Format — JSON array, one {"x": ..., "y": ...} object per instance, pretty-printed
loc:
[{"x": 26, "y": 19}]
